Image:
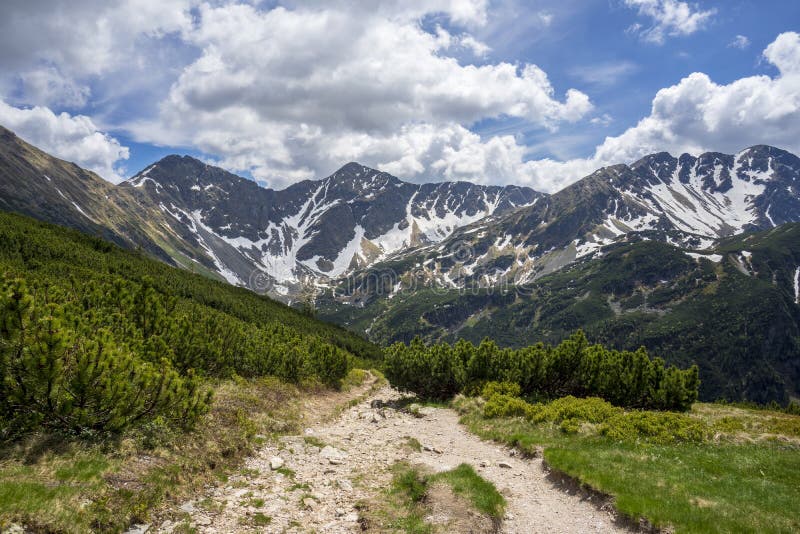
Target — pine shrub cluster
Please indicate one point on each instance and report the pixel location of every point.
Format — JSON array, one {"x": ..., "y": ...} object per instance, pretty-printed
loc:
[
  {"x": 94, "y": 339},
  {"x": 574, "y": 367},
  {"x": 105, "y": 355},
  {"x": 55, "y": 377}
]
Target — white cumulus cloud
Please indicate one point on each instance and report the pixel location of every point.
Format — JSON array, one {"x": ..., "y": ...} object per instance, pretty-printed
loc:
[
  {"x": 283, "y": 93},
  {"x": 670, "y": 18},
  {"x": 55, "y": 51}
]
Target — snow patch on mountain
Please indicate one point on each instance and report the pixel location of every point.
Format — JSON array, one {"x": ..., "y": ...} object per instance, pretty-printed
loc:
[
  {"x": 438, "y": 222},
  {"x": 195, "y": 224},
  {"x": 351, "y": 250},
  {"x": 693, "y": 208},
  {"x": 80, "y": 210},
  {"x": 142, "y": 180},
  {"x": 439, "y": 218},
  {"x": 716, "y": 258}
]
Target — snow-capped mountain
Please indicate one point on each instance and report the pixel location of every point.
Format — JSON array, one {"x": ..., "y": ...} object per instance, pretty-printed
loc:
[
  {"x": 688, "y": 201},
  {"x": 313, "y": 229},
  {"x": 204, "y": 218}
]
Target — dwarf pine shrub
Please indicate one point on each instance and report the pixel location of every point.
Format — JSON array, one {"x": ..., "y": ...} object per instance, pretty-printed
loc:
[
  {"x": 574, "y": 367},
  {"x": 655, "y": 427},
  {"x": 57, "y": 379}
]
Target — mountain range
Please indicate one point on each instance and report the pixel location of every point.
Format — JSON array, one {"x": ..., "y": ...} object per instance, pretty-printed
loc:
[
  {"x": 204, "y": 218},
  {"x": 634, "y": 254},
  {"x": 687, "y": 201},
  {"x": 316, "y": 230}
]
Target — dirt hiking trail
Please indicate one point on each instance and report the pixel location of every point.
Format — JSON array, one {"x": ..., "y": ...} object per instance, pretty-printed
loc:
[{"x": 313, "y": 482}]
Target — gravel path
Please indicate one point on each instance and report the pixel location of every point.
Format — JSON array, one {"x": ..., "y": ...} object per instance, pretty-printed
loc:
[{"x": 335, "y": 464}]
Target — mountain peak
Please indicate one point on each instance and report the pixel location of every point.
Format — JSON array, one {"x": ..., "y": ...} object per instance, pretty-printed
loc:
[
  {"x": 360, "y": 178},
  {"x": 354, "y": 170},
  {"x": 180, "y": 170},
  {"x": 655, "y": 157},
  {"x": 765, "y": 151},
  {"x": 354, "y": 167},
  {"x": 174, "y": 162}
]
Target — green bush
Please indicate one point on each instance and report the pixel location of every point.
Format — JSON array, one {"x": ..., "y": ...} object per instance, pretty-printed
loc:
[
  {"x": 591, "y": 410},
  {"x": 570, "y": 426},
  {"x": 500, "y": 388},
  {"x": 96, "y": 339},
  {"x": 55, "y": 378},
  {"x": 628, "y": 379},
  {"x": 431, "y": 372},
  {"x": 500, "y": 405},
  {"x": 655, "y": 427},
  {"x": 568, "y": 414}
]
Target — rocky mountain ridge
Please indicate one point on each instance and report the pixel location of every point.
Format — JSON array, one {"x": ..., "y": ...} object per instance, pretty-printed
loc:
[
  {"x": 447, "y": 234},
  {"x": 316, "y": 229},
  {"x": 687, "y": 201}
]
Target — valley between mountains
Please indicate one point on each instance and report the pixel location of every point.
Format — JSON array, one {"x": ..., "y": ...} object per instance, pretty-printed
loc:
[
  {"x": 635, "y": 255},
  {"x": 399, "y": 267}
]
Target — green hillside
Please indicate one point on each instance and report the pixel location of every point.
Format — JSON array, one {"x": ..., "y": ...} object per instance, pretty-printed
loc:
[
  {"x": 45, "y": 252},
  {"x": 95, "y": 338},
  {"x": 736, "y": 318}
]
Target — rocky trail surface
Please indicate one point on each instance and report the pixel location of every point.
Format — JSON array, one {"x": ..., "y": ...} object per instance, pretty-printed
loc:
[{"x": 313, "y": 482}]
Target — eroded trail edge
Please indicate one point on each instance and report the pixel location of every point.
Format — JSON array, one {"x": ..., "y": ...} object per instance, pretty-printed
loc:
[{"x": 313, "y": 482}]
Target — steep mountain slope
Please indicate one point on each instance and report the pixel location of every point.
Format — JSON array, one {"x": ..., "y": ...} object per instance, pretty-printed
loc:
[
  {"x": 39, "y": 185},
  {"x": 734, "y": 310},
  {"x": 318, "y": 229},
  {"x": 687, "y": 201}
]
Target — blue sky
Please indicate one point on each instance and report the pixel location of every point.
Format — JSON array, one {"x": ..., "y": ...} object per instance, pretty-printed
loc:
[
  {"x": 594, "y": 35},
  {"x": 537, "y": 93}
]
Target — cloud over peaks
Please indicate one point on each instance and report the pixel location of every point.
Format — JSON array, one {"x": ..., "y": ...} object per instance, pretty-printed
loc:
[{"x": 276, "y": 92}]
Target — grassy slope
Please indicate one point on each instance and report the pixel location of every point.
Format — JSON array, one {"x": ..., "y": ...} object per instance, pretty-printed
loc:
[
  {"x": 78, "y": 486},
  {"x": 747, "y": 480},
  {"x": 54, "y": 485}
]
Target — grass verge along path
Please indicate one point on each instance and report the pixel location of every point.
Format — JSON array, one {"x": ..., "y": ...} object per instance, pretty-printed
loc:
[{"x": 746, "y": 478}]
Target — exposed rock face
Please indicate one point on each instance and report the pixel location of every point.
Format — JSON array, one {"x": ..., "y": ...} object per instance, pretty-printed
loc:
[
  {"x": 686, "y": 201},
  {"x": 316, "y": 229}
]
